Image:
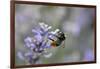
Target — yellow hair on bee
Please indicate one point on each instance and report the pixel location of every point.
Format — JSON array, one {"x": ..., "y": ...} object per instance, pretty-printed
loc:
[{"x": 53, "y": 44}]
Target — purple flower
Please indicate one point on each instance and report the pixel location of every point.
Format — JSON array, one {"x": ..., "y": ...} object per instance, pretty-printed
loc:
[{"x": 38, "y": 43}]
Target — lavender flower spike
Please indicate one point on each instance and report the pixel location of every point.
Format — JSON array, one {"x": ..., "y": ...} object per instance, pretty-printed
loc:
[{"x": 37, "y": 44}]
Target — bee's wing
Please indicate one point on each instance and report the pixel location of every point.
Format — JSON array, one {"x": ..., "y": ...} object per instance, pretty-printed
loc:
[{"x": 63, "y": 44}]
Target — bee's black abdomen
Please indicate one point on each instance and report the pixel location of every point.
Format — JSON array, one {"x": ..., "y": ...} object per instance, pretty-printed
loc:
[{"x": 61, "y": 37}]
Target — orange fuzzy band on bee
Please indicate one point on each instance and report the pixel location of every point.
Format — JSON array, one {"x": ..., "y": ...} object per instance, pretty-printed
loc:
[{"x": 53, "y": 44}]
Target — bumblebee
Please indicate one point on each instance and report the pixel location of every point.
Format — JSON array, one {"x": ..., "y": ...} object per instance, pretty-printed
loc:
[{"x": 57, "y": 39}]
